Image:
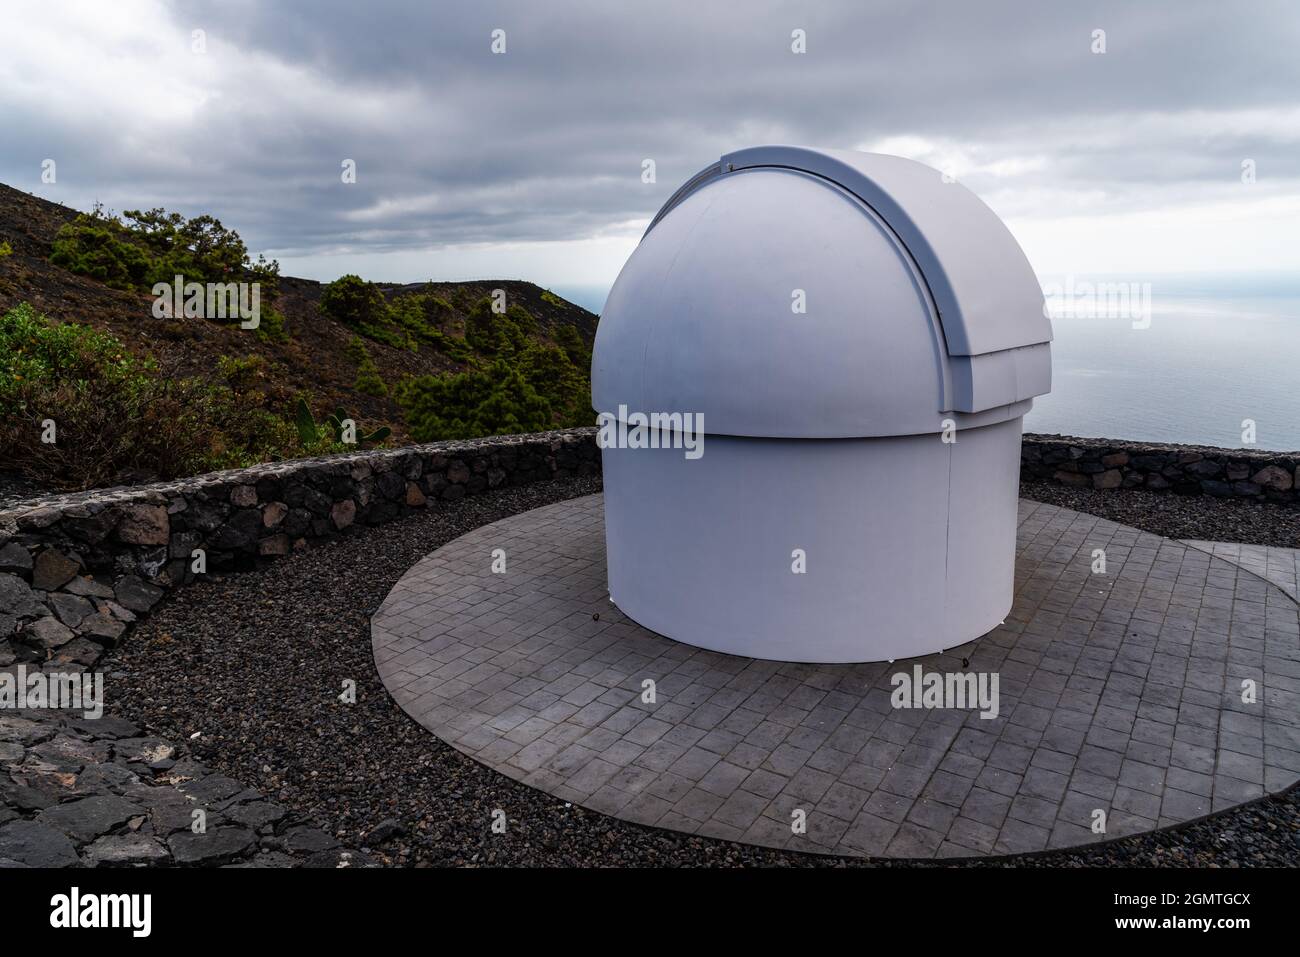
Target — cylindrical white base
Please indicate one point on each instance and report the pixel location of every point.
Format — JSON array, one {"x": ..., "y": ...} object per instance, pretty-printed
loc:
[{"x": 908, "y": 543}]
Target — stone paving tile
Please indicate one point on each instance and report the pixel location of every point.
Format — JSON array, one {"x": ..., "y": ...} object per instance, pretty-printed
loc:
[
  {"x": 1280, "y": 566},
  {"x": 1120, "y": 693}
]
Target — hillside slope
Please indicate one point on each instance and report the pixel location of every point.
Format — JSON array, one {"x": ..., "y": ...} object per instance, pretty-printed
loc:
[{"x": 314, "y": 361}]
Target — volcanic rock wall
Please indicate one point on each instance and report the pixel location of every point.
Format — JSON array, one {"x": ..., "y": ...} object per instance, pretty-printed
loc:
[{"x": 76, "y": 570}]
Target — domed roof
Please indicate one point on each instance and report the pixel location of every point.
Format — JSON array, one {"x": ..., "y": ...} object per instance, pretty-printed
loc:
[{"x": 917, "y": 304}]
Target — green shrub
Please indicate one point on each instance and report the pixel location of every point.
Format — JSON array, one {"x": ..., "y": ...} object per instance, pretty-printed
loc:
[
  {"x": 6, "y": 249},
  {"x": 453, "y": 347},
  {"x": 369, "y": 381},
  {"x": 490, "y": 334},
  {"x": 98, "y": 245},
  {"x": 242, "y": 375},
  {"x": 356, "y": 351},
  {"x": 405, "y": 321},
  {"x": 522, "y": 319},
  {"x": 463, "y": 298},
  {"x": 565, "y": 387},
  {"x": 480, "y": 332},
  {"x": 361, "y": 306},
  {"x": 420, "y": 313},
  {"x": 354, "y": 302},
  {"x": 552, "y": 298},
  {"x": 535, "y": 390},
  {"x": 200, "y": 249},
  {"x": 569, "y": 339},
  {"x": 272, "y": 327},
  {"x": 141, "y": 248},
  {"x": 118, "y": 416},
  {"x": 402, "y": 322},
  {"x": 491, "y": 401}
]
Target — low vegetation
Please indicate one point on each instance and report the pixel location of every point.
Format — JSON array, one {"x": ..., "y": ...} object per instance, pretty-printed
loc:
[
  {"x": 515, "y": 383},
  {"x": 514, "y": 380},
  {"x": 369, "y": 380},
  {"x": 77, "y": 409},
  {"x": 140, "y": 248},
  {"x": 406, "y": 321},
  {"x": 338, "y": 427}
]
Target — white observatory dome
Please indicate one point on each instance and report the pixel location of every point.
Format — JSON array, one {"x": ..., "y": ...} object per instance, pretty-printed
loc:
[{"x": 860, "y": 340}]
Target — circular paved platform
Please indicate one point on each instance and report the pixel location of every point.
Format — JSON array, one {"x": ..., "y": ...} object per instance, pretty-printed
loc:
[{"x": 1119, "y": 693}]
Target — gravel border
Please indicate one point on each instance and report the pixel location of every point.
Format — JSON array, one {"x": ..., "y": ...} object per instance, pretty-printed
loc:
[
  {"x": 256, "y": 664},
  {"x": 1179, "y": 516}
]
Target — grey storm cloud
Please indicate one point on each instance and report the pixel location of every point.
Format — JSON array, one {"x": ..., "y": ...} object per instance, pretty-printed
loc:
[{"x": 454, "y": 144}]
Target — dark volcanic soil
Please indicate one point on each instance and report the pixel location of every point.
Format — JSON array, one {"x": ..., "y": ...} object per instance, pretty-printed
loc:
[{"x": 1180, "y": 516}]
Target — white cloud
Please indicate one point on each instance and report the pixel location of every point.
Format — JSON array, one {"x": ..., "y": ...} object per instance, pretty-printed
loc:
[{"x": 529, "y": 164}]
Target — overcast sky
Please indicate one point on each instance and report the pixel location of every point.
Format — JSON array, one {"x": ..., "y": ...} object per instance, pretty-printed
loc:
[{"x": 527, "y": 163}]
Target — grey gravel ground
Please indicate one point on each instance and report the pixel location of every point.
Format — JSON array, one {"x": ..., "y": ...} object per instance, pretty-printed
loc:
[
  {"x": 257, "y": 662},
  {"x": 1179, "y": 516}
]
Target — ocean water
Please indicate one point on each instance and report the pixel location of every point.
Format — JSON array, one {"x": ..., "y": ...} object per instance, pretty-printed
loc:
[
  {"x": 591, "y": 298},
  {"x": 1206, "y": 363},
  {"x": 1208, "y": 353}
]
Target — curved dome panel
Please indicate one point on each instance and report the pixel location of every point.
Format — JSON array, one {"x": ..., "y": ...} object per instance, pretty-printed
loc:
[
  {"x": 702, "y": 316},
  {"x": 986, "y": 293}
]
